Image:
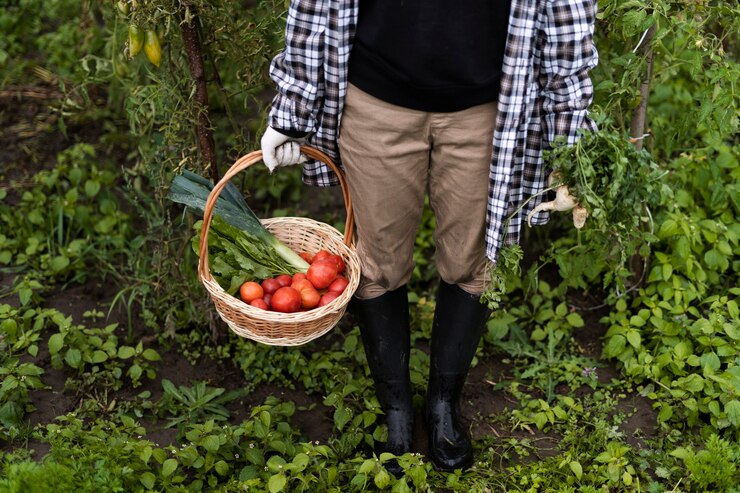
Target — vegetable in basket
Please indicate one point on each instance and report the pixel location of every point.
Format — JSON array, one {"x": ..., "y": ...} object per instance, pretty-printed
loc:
[{"x": 243, "y": 249}]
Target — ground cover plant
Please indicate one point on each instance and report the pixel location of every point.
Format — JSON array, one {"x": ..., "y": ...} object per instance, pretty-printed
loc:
[{"x": 612, "y": 361}]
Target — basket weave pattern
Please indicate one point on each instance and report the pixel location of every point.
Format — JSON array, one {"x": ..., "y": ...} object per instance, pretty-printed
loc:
[{"x": 301, "y": 235}]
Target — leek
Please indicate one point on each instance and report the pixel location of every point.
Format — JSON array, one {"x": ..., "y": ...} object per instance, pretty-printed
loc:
[{"x": 258, "y": 243}]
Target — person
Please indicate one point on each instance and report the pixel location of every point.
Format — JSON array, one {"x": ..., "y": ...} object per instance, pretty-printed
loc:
[{"x": 456, "y": 100}]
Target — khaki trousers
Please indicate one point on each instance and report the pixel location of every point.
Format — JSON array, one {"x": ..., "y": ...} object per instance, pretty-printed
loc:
[{"x": 392, "y": 157}]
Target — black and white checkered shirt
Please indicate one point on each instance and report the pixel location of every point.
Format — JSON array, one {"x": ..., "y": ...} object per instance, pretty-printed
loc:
[{"x": 545, "y": 93}]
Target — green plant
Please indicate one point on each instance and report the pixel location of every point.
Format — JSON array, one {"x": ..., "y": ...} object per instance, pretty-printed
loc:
[
  {"x": 97, "y": 357},
  {"x": 713, "y": 468},
  {"x": 68, "y": 217},
  {"x": 195, "y": 403},
  {"x": 17, "y": 379}
]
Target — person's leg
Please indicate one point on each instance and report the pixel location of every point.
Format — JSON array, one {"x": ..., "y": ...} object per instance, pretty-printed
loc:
[
  {"x": 385, "y": 158},
  {"x": 458, "y": 194}
]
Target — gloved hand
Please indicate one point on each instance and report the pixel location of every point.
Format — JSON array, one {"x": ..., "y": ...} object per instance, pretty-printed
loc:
[
  {"x": 564, "y": 201},
  {"x": 279, "y": 149}
]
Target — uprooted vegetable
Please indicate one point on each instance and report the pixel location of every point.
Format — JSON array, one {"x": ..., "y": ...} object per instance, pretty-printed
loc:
[
  {"x": 241, "y": 248},
  {"x": 602, "y": 176},
  {"x": 564, "y": 201}
]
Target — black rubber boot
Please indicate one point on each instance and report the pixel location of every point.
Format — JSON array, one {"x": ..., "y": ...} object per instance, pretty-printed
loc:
[
  {"x": 384, "y": 327},
  {"x": 459, "y": 320}
]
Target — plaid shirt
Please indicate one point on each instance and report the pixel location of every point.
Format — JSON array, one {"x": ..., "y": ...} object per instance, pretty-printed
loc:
[{"x": 545, "y": 93}]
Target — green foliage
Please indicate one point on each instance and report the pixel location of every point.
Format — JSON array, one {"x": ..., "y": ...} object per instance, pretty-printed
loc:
[
  {"x": 17, "y": 380},
  {"x": 619, "y": 187},
  {"x": 680, "y": 335},
  {"x": 713, "y": 468},
  {"x": 96, "y": 357},
  {"x": 194, "y": 403},
  {"x": 672, "y": 333},
  {"x": 32, "y": 477},
  {"x": 68, "y": 217}
]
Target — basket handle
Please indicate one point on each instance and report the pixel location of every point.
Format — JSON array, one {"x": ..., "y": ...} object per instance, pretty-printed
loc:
[{"x": 243, "y": 163}]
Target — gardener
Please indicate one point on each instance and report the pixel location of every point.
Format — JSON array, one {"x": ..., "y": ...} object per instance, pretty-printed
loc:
[{"x": 452, "y": 99}]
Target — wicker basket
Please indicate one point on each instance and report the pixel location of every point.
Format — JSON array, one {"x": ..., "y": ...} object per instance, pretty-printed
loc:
[{"x": 302, "y": 235}]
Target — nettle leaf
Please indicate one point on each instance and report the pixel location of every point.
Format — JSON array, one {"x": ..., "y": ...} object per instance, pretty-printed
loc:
[
  {"x": 341, "y": 417},
  {"x": 683, "y": 349},
  {"x": 73, "y": 358},
  {"x": 276, "y": 483},
  {"x": 169, "y": 466},
  {"x": 577, "y": 469},
  {"x": 732, "y": 409},
  {"x": 710, "y": 360},
  {"x": 147, "y": 480},
  {"x": 56, "y": 342},
  {"x": 126, "y": 352},
  {"x": 210, "y": 443}
]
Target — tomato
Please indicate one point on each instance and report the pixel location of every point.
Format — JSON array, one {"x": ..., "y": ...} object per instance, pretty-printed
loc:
[
  {"x": 259, "y": 303},
  {"x": 306, "y": 256},
  {"x": 310, "y": 298},
  {"x": 322, "y": 273},
  {"x": 302, "y": 284},
  {"x": 328, "y": 298},
  {"x": 249, "y": 291},
  {"x": 271, "y": 285},
  {"x": 267, "y": 298},
  {"x": 340, "y": 262},
  {"x": 298, "y": 276},
  {"x": 286, "y": 300},
  {"x": 339, "y": 284},
  {"x": 135, "y": 40},
  {"x": 152, "y": 48},
  {"x": 284, "y": 280},
  {"x": 123, "y": 7},
  {"x": 321, "y": 255}
]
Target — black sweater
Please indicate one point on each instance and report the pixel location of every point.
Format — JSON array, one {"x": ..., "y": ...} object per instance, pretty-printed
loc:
[{"x": 430, "y": 55}]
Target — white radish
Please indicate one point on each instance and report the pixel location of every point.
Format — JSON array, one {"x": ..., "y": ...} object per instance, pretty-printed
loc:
[{"x": 564, "y": 201}]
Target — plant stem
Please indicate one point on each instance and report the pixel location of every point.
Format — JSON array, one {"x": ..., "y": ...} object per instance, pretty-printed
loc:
[
  {"x": 639, "y": 115},
  {"x": 191, "y": 38}
]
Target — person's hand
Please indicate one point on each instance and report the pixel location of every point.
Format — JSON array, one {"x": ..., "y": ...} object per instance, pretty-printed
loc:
[
  {"x": 279, "y": 149},
  {"x": 564, "y": 201}
]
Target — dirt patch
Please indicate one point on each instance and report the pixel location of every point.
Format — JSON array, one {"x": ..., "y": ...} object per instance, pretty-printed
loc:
[{"x": 641, "y": 421}]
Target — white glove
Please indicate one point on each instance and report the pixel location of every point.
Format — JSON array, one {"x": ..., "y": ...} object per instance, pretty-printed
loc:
[{"x": 279, "y": 149}]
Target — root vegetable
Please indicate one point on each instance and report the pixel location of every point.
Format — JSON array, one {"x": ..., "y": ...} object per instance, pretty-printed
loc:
[{"x": 564, "y": 201}]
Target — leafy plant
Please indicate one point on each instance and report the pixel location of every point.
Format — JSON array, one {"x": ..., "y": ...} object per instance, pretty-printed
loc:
[
  {"x": 195, "y": 403},
  {"x": 17, "y": 380},
  {"x": 97, "y": 357},
  {"x": 713, "y": 467},
  {"x": 67, "y": 217}
]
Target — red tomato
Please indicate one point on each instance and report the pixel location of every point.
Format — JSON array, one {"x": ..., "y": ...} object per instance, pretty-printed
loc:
[
  {"x": 306, "y": 256},
  {"x": 297, "y": 276},
  {"x": 340, "y": 262},
  {"x": 259, "y": 303},
  {"x": 284, "y": 280},
  {"x": 286, "y": 300},
  {"x": 271, "y": 285},
  {"x": 268, "y": 299},
  {"x": 328, "y": 298},
  {"x": 322, "y": 273},
  {"x": 310, "y": 298},
  {"x": 339, "y": 284},
  {"x": 249, "y": 291},
  {"x": 302, "y": 284},
  {"x": 321, "y": 255}
]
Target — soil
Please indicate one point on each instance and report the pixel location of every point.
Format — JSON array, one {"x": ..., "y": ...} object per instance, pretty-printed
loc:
[{"x": 29, "y": 144}]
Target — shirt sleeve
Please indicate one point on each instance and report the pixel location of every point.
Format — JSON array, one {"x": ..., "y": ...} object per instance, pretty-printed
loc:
[
  {"x": 568, "y": 54},
  {"x": 298, "y": 69}
]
